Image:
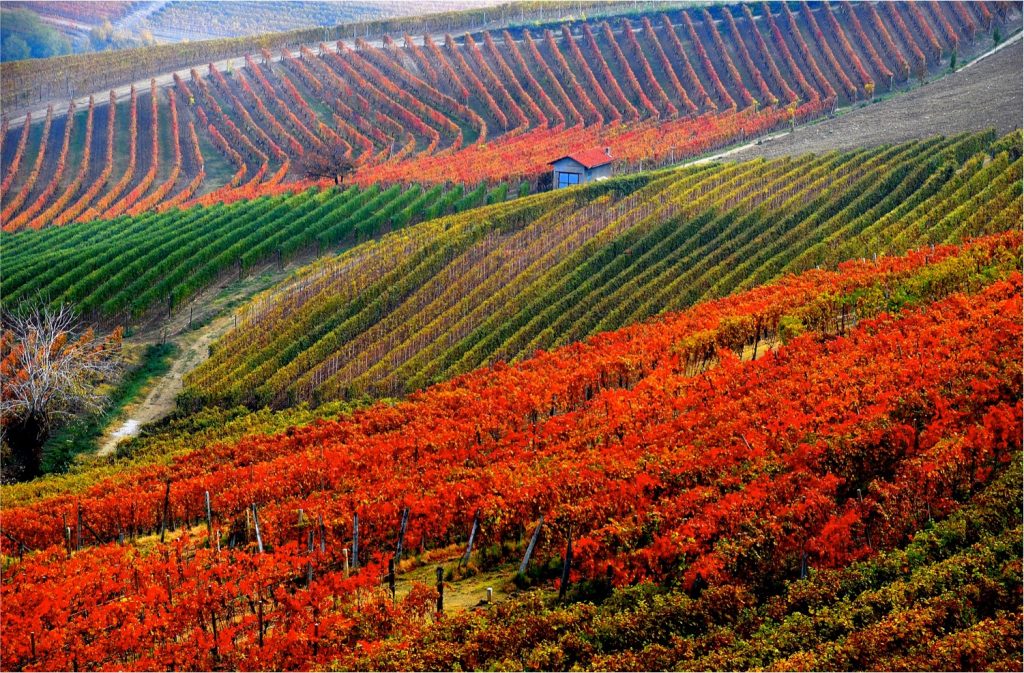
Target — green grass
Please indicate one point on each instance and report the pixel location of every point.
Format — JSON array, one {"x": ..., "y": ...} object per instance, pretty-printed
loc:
[
  {"x": 82, "y": 435},
  {"x": 218, "y": 171}
]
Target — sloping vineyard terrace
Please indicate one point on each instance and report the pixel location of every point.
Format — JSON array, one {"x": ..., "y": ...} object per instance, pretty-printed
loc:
[
  {"x": 656, "y": 449},
  {"x": 445, "y": 297}
]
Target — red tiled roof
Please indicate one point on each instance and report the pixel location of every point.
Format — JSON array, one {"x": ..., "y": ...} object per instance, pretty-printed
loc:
[{"x": 589, "y": 158}]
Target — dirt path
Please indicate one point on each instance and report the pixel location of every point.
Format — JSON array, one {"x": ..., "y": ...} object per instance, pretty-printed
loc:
[
  {"x": 193, "y": 348},
  {"x": 213, "y": 311}
]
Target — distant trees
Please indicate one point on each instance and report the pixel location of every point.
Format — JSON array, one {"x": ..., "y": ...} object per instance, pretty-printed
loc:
[
  {"x": 105, "y": 36},
  {"x": 15, "y": 48},
  {"x": 23, "y": 35}
]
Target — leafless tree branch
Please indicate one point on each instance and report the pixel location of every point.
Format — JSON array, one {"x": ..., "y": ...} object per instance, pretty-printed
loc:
[{"x": 51, "y": 365}]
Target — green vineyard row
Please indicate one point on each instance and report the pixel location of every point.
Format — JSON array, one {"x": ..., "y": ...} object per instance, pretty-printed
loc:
[{"x": 124, "y": 267}]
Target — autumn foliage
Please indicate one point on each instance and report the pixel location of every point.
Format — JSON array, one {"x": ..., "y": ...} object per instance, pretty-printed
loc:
[
  {"x": 399, "y": 111},
  {"x": 653, "y": 444}
]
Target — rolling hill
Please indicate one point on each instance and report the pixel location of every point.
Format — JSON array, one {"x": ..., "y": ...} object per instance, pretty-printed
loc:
[
  {"x": 119, "y": 270},
  {"x": 450, "y": 295},
  {"x": 886, "y": 394},
  {"x": 491, "y": 105},
  {"x": 307, "y": 365}
]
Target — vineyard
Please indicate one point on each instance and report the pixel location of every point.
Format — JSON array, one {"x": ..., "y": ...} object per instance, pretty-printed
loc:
[
  {"x": 122, "y": 268},
  {"x": 92, "y": 13},
  {"x": 786, "y": 441},
  {"x": 34, "y": 81},
  {"x": 437, "y": 300},
  {"x": 315, "y": 356},
  {"x": 204, "y": 19},
  {"x": 490, "y": 106}
]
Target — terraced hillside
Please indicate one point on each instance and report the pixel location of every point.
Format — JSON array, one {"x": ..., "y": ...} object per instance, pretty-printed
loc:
[
  {"x": 486, "y": 106},
  {"x": 450, "y": 295},
  {"x": 305, "y": 365}
]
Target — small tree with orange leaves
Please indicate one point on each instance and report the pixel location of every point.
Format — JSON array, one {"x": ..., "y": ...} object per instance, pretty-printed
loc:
[{"x": 50, "y": 371}]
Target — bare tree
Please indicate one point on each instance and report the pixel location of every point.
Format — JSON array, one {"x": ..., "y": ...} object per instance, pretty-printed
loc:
[
  {"x": 50, "y": 370},
  {"x": 330, "y": 162}
]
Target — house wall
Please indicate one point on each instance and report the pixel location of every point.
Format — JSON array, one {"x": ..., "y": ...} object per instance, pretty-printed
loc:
[
  {"x": 570, "y": 166},
  {"x": 600, "y": 172},
  {"x": 567, "y": 166}
]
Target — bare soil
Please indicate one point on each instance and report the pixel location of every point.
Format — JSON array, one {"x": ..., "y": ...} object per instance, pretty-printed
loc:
[
  {"x": 986, "y": 93},
  {"x": 194, "y": 347},
  {"x": 211, "y": 313}
]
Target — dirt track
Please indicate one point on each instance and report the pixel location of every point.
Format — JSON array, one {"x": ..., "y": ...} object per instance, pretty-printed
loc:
[
  {"x": 985, "y": 94},
  {"x": 214, "y": 305},
  {"x": 162, "y": 397}
]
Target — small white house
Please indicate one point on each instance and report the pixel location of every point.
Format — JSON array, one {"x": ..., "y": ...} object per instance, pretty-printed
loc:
[{"x": 581, "y": 167}]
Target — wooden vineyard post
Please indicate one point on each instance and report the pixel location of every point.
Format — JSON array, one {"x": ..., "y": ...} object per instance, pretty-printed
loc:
[
  {"x": 256, "y": 526},
  {"x": 563, "y": 586},
  {"x": 529, "y": 547},
  {"x": 401, "y": 533},
  {"x": 316, "y": 634},
  {"x": 260, "y": 617},
  {"x": 167, "y": 506},
  {"x": 78, "y": 531},
  {"x": 209, "y": 515},
  {"x": 213, "y": 620},
  {"x": 472, "y": 535},
  {"x": 440, "y": 589},
  {"x": 92, "y": 531},
  {"x": 355, "y": 541},
  {"x": 309, "y": 563}
]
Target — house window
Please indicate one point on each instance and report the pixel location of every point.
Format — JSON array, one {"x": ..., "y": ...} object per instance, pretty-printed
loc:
[{"x": 568, "y": 179}]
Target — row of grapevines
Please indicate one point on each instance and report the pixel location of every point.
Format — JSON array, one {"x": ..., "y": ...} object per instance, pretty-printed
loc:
[
  {"x": 394, "y": 110},
  {"x": 955, "y": 584},
  {"x": 645, "y": 466},
  {"x": 133, "y": 264},
  {"x": 695, "y": 234}
]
